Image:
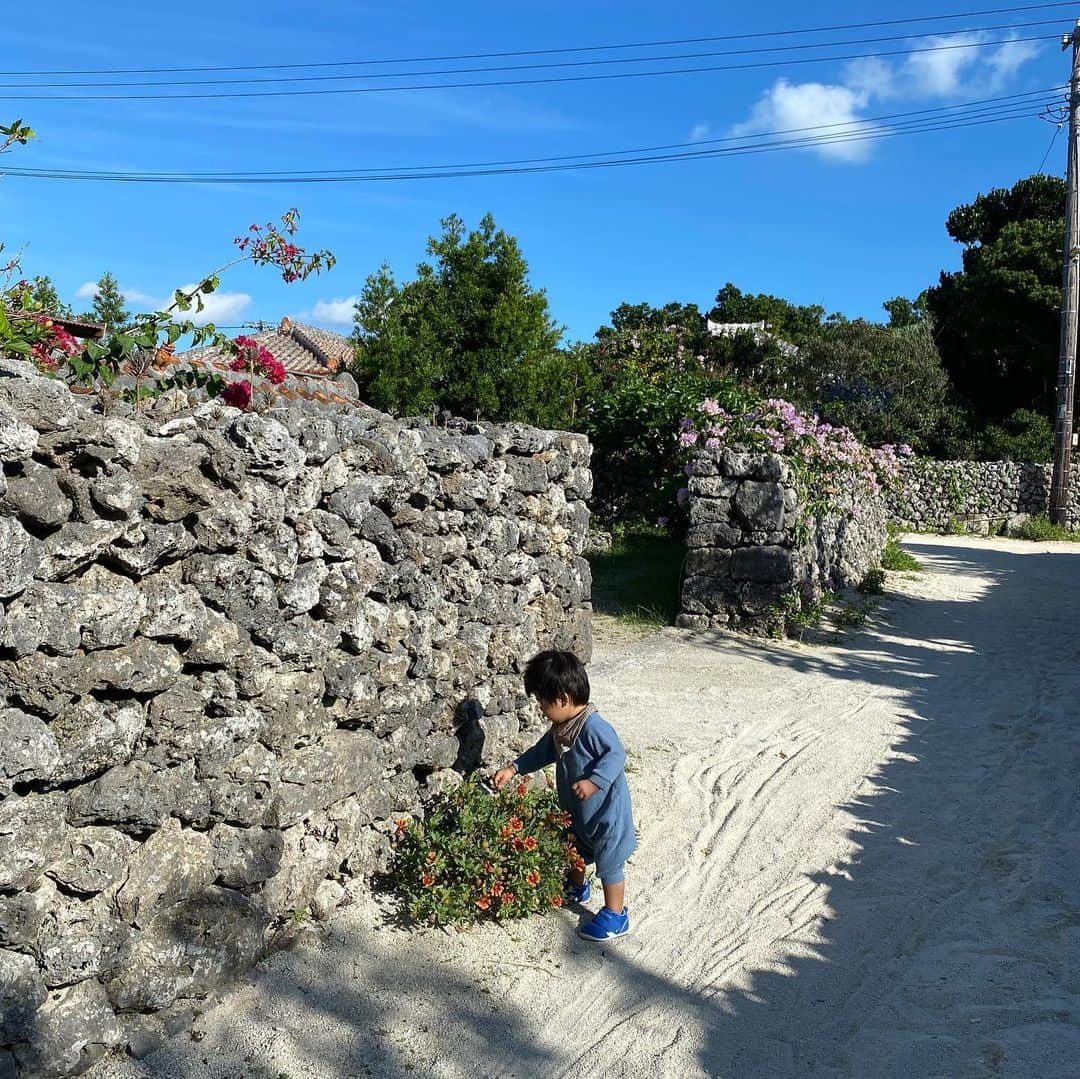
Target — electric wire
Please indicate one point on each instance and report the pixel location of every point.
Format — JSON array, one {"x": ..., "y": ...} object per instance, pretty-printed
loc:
[
  {"x": 536, "y": 67},
  {"x": 977, "y": 106},
  {"x": 911, "y": 20},
  {"x": 545, "y": 80},
  {"x": 860, "y": 131}
]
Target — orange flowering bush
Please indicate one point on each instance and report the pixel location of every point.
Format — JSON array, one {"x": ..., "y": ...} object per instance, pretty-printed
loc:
[{"x": 480, "y": 855}]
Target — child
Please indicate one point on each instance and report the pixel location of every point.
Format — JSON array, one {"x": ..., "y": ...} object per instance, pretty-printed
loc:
[{"x": 588, "y": 759}]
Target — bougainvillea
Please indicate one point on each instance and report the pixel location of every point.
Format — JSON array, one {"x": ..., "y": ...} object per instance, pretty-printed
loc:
[
  {"x": 479, "y": 855},
  {"x": 33, "y": 335},
  {"x": 825, "y": 457}
]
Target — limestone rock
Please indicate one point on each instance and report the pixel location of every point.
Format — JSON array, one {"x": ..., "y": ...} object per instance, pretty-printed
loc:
[
  {"x": 20, "y": 556},
  {"x": 31, "y": 837},
  {"x": 28, "y": 749},
  {"x": 173, "y": 864},
  {"x": 266, "y": 447},
  {"x": 79, "y": 939},
  {"x": 245, "y": 856},
  {"x": 34, "y": 495},
  {"x": 22, "y": 992},
  {"x": 92, "y": 859},
  {"x": 18, "y": 440},
  {"x": 93, "y": 736},
  {"x": 72, "y": 1032},
  {"x": 189, "y": 948}
]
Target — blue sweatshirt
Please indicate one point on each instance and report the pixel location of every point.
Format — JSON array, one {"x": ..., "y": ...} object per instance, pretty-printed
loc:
[{"x": 603, "y": 825}]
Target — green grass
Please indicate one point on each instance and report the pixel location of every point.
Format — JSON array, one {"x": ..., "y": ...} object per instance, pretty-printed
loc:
[
  {"x": 637, "y": 580},
  {"x": 873, "y": 584},
  {"x": 894, "y": 557},
  {"x": 1040, "y": 529}
]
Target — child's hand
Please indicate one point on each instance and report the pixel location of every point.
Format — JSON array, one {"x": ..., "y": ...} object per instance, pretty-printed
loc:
[
  {"x": 503, "y": 776},
  {"x": 584, "y": 788}
]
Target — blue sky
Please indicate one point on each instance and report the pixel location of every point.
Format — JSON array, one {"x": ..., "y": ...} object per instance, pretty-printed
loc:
[{"x": 846, "y": 226}]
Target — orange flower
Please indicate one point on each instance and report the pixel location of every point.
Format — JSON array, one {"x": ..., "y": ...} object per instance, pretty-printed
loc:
[
  {"x": 523, "y": 789},
  {"x": 567, "y": 820},
  {"x": 516, "y": 843},
  {"x": 431, "y": 857},
  {"x": 428, "y": 880},
  {"x": 483, "y": 902},
  {"x": 507, "y": 898},
  {"x": 515, "y": 824},
  {"x": 497, "y": 888},
  {"x": 556, "y": 901},
  {"x": 530, "y": 842},
  {"x": 402, "y": 825},
  {"x": 532, "y": 878},
  {"x": 489, "y": 868},
  {"x": 505, "y": 832}
]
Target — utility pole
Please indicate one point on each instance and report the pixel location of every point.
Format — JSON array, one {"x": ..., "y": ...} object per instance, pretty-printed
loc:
[{"x": 1070, "y": 301}]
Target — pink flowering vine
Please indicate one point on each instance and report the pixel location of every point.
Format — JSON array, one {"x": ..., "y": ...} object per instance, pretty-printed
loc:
[{"x": 827, "y": 455}]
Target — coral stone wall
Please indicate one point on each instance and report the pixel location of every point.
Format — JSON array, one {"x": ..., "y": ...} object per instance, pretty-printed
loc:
[
  {"x": 983, "y": 496},
  {"x": 752, "y": 546},
  {"x": 233, "y": 648}
]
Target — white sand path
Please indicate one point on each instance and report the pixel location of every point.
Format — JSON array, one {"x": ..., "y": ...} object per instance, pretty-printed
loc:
[{"x": 859, "y": 860}]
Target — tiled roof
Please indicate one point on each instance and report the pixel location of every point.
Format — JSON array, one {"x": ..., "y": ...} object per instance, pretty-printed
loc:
[
  {"x": 77, "y": 327},
  {"x": 304, "y": 350},
  {"x": 314, "y": 359}
]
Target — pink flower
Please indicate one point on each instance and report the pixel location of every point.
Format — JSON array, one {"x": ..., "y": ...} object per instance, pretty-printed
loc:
[
  {"x": 688, "y": 438},
  {"x": 710, "y": 406},
  {"x": 237, "y": 394}
]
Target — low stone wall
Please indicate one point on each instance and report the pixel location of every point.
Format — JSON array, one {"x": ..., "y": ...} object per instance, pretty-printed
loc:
[
  {"x": 982, "y": 496},
  {"x": 753, "y": 550},
  {"x": 233, "y": 648}
]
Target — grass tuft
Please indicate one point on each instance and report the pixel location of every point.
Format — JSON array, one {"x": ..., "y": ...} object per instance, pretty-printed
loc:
[
  {"x": 1041, "y": 528},
  {"x": 637, "y": 580}
]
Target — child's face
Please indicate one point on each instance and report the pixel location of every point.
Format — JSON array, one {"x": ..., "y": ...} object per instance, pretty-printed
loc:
[{"x": 559, "y": 711}]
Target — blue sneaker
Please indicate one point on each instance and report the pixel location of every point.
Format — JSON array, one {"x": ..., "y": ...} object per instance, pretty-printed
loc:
[
  {"x": 606, "y": 925},
  {"x": 577, "y": 893}
]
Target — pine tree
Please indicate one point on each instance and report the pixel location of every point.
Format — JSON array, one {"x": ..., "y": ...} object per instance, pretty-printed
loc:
[{"x": 109, "y": 303}]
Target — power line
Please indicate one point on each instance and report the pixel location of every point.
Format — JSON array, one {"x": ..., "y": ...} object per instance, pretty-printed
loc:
[
  {"x": 552, "y": 51},
  {"x": 976, "y": 106},
  {"x": 858, "y": 131},
  {"x": 542, "y": 66},
  {"x": 519, "y": 82},
  {"x": 1053, "y": 139}
]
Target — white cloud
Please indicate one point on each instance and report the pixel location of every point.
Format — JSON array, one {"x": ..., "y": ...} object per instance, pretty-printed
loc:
[
  {"x": 948, "y": 73},
  {"x": 222, "y": 307},
  {"x": 791, "y": 107},
  {"x": 699, "y": 132},
  {"x": 940, "y": 74},
  {"x": 87, "y": 291},
  {"x": 337, "y": 312}
]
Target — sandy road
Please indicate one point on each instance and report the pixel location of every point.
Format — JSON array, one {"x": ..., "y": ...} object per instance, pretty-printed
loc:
[{"x": 857, "y": 860}]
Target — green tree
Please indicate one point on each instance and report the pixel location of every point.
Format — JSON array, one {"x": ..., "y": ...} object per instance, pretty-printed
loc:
[
  {"x": 649, "y": 374},
  {"x": 997, "y": 319},
  {"x": 904, "y": 312},
  {"x": 109, "y": 304},
  {"x": 39, "y": 294},
  {"x": 888, "y": 385},
  {"x": 466, "y": 335},
  {"x": 788, "y": 321}
]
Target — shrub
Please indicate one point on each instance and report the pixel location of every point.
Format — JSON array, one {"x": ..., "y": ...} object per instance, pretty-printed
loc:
[
  {"x": 894, "y": 557},
  {"x": 873, "y": 584},
  {"x": 1040, "y": 529},
  {"x": 481, "y": 856}
]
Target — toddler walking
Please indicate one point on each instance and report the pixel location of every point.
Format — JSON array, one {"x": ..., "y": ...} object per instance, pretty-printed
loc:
[{"x": 590, "y": 781}]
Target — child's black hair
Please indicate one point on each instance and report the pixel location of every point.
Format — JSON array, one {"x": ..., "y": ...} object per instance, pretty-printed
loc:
[{"x": 551, "y": 675}]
